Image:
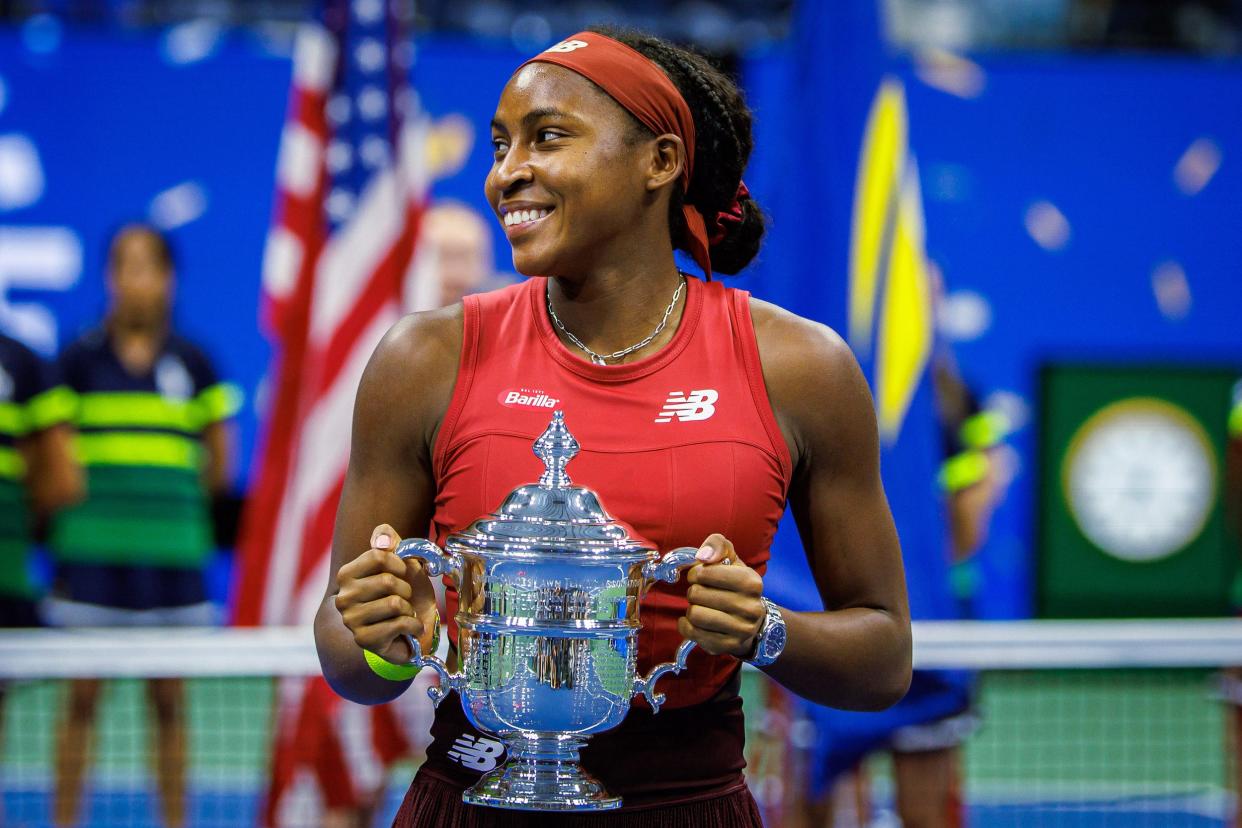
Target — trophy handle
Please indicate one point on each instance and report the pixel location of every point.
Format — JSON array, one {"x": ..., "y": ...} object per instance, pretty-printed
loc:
[
  {"x": 646, "y": 686},
  {"x": 448, "y": 681},
  {"x": 436, "y": 562},
  {"x": 667, "y": 569}
]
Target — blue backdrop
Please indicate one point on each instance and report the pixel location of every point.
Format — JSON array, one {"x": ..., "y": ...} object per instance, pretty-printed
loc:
[
  {"x": 1124, "y": 258},
  {"x": 1052, "y": 203}
]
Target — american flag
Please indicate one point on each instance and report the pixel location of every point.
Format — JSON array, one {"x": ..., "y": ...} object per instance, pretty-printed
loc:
[{"x": 349, "y": 192}]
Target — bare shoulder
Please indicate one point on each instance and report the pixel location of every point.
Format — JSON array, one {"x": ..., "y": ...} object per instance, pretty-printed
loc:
[
  {"x": 800, "y": 354},
  {"x": 414, "y": 367},
  {"x": 420, "y": 349},
  {"x": 816, "y": 387}
]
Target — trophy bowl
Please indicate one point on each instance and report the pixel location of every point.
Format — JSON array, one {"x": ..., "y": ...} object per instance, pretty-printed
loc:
[{"x": 548, "y": 622}]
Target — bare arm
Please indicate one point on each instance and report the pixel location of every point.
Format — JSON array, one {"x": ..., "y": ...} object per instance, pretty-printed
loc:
[
  {"x": 372, "y": 596},
  {"x": 219, "y": 438},
  {"x": 54, "y": 475},
  {"x": 856, "y": 653}
]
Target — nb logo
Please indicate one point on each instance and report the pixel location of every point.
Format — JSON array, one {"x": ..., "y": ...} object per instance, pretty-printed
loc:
[
  {"x": 476, "y": 754},
  {"x": 697, "y": 405},
  {"x": 569, "y": 46}
]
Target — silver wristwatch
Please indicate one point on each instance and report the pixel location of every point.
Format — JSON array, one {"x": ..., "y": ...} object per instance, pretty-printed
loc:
[{"x": 770, "y": 641}]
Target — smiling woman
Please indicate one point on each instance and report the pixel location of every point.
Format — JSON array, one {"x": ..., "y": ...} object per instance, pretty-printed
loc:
[{"x": 700, "y": 411}]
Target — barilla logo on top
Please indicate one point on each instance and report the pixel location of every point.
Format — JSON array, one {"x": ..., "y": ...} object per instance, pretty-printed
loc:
[
  {"x": 697, "y": 405},
  {"x": 527, "y": 398}
]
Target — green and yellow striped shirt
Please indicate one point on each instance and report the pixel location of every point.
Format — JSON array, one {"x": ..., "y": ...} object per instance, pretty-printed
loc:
[
  {"x": 31, "y": 400},
  {"x": 140, "y": 442}
]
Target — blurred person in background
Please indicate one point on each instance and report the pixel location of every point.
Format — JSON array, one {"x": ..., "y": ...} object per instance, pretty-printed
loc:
[
  {"x": 38, "y": 474},
  {"x": 455, "y": 257},
  {"x": 153, "y": 435},
  {"x": 974, "y": 478},
  {"x": 927, "y": 757}
]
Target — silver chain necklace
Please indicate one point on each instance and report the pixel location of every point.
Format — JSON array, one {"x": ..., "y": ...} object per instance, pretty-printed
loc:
[{"x": 600, "y": 359}]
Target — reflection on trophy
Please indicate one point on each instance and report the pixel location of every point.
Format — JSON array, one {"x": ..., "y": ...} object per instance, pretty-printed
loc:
[{"x": 548, "y": 625}]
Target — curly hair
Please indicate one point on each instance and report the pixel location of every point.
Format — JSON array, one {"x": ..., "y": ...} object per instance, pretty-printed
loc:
[{"x": 722, "y": 147}]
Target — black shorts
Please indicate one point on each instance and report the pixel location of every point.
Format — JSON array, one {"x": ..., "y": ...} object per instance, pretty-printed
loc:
[{"x": 130, "y": 587}]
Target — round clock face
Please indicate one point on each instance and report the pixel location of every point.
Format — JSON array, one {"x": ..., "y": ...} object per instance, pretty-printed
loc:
[{"x": 1140, "y": 478}]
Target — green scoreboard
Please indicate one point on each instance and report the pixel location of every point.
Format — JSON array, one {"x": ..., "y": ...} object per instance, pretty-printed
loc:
[{"x": 1132, "y": 488}]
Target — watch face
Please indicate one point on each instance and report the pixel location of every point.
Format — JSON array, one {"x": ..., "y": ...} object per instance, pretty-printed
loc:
[
  {"x": 1140, "y": 479},
  {"x": 774, "y": 643}
]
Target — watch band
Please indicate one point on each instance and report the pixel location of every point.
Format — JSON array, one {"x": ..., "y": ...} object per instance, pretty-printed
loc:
[{"x": 770, "y": 641}]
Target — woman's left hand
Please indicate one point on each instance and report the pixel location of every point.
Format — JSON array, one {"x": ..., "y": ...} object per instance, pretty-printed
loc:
[{"x": 726, "y": 610}]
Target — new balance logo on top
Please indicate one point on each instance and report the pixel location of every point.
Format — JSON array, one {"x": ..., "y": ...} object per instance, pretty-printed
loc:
[
  {"x": 568, "y": 46},
  {"x": 479, "y": 754},
  {"x": 697, "y": 405}
]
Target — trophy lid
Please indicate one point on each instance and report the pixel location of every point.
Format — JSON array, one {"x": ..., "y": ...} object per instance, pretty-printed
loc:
[{"x": 553, "y": 516}]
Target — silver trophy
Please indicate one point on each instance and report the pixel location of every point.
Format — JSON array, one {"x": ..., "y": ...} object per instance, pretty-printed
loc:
[{"x": 548, "y": 625}]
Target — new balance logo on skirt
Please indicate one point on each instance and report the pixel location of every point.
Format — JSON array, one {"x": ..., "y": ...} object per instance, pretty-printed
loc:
[
  {"x": 479, "y": 754},
  {"x": 697, "y": 405}
]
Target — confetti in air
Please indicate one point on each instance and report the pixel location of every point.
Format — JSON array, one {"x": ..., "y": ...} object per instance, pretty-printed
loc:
[
  {"x": 1047, "y": 225},
  {"x": 1197, "y": 166},
  {"x": 1172, "y": 290},
  {"x": 1013, "y": 406},
  {"x": 191, "y": 42},
  {"x": 950, "y": 72},
  {"x": 178, "y": 205},
  {"x": 964, "y": 315}
]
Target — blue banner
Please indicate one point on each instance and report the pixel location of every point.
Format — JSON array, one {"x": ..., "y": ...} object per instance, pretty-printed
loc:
[{"x": 1081, "y": 205}]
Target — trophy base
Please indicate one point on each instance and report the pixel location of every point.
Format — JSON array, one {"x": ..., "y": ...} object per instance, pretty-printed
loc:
[{"x": 541, "y": 774}]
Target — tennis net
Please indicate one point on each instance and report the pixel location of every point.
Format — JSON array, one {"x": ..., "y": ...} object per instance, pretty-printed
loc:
[
  {"x": 1078, "y": 724},
  {"x": 1073, "y": 723}
]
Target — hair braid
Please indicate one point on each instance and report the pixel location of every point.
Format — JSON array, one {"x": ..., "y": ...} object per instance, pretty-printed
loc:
[
  {"x": 723, "y": 144},
  {"x": 694, "y": 72}
]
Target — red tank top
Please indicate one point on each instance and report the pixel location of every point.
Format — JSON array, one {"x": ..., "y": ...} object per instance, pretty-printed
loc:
[{"x": 679, "y": 445}]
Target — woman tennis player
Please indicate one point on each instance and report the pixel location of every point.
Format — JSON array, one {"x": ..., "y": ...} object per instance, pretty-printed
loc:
[{"x": 701, "y": 412}]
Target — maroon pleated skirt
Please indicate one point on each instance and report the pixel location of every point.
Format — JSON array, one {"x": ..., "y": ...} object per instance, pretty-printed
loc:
[{"x": 433, "y": 803}]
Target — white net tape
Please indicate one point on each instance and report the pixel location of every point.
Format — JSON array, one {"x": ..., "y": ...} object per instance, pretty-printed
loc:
[
  {"x": 290, "y": 651},
  {"x": 1076, "y": 724}
]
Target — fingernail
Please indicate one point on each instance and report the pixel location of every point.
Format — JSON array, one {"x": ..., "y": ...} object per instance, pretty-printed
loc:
[
  {"x": 704, "y": 553},
  {"x": 382, "y": 541}
]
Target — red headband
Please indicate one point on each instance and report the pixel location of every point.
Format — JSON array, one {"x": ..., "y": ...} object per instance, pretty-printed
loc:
[{"x": 642, "y": 88}]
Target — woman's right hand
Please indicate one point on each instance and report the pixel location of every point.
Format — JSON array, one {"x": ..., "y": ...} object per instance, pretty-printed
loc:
[{"x": 382, "y": 598}]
